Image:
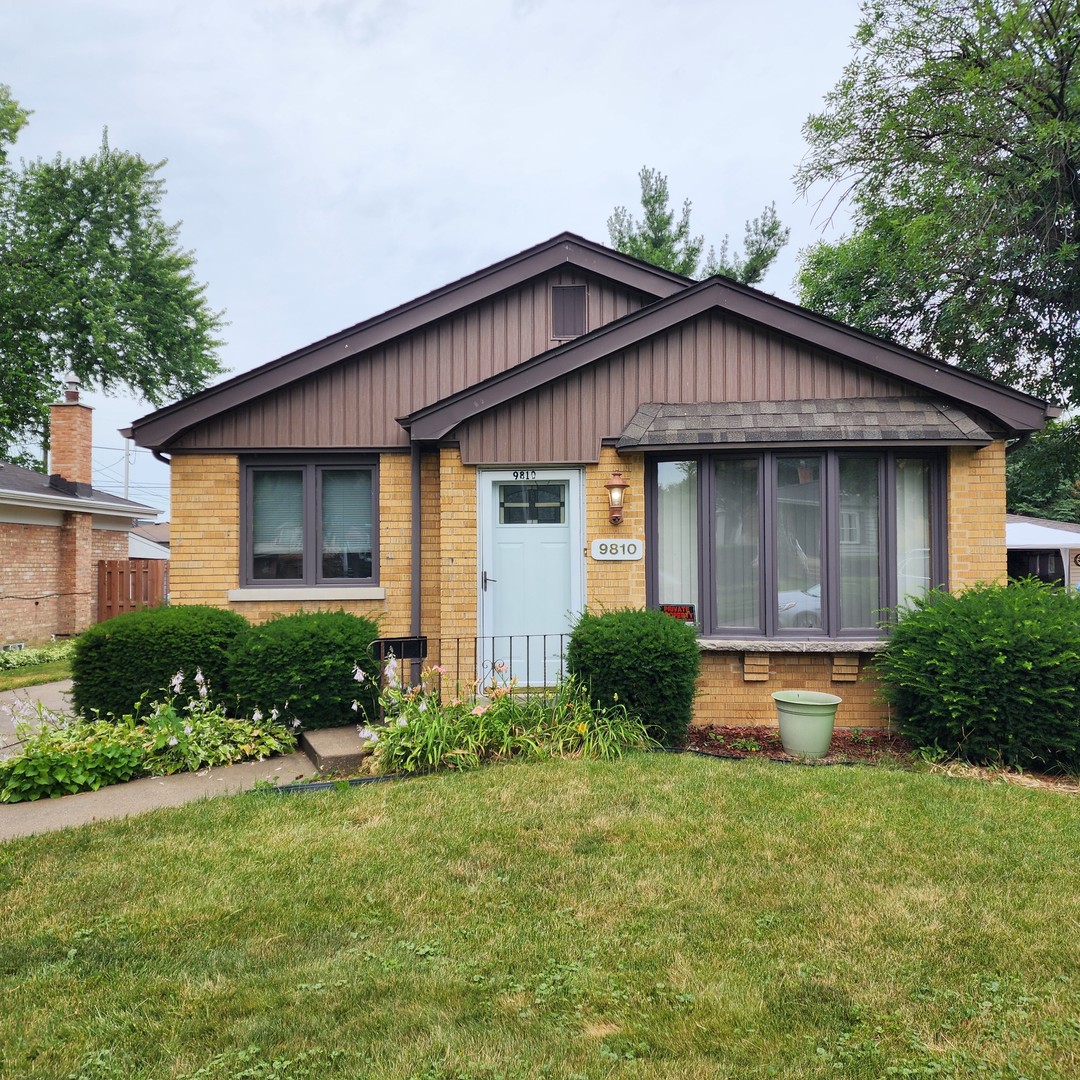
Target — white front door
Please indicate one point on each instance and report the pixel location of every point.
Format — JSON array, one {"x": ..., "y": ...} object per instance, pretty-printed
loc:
[{"x": 530, "y": 569}]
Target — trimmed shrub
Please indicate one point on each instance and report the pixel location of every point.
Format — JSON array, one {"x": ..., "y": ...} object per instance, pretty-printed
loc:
[
  {"x": 642, "y": 659},
  {"x": 991, "y": 674},
  {"x": 119, "y": 660},
  {"x": 304, "y": 664}
]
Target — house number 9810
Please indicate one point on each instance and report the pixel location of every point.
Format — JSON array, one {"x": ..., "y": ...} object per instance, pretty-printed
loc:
[
  {"x": 617, "y": 549},
  {"x": 524, "y": 474}
]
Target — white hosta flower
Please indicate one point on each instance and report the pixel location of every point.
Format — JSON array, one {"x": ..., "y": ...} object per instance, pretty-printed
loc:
[
  {"x": 391, "y": 669},
  {"x": 256, "y": 716},
  {"x": 357, "y": 674},
  {"x": 177, "y": 682},
  {"x": 173, "y": 740},
  {"x": 367, "y": 733}
]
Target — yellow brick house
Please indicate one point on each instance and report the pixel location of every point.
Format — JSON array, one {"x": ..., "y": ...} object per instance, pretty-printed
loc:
[{"x": 573, "y": 427}]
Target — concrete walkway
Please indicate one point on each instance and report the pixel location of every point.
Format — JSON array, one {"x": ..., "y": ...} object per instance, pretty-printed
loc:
[{"x": 137, "y": 796}]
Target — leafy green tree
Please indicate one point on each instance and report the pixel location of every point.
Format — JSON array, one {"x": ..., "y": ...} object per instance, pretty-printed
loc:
[
  {"x": 954, "y": 138},
  {"x": 1043, "y": 477},
  {"x": 92, "y": 280},
  {"x": 662, "y": 240}
]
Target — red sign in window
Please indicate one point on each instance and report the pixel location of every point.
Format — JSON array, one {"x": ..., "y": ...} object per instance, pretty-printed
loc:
[{"x": 682, "y": 612}]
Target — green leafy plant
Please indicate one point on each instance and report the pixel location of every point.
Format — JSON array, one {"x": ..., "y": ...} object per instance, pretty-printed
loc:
[
  {"x": 749, "y": 746},
  {"x": 423, "y": 733},
  {"x": 62, "y": 755},
  {"x": 117, "y": 661},
  {"x": 186, "y": 735},
  {"x": 47, "y": 654},
  {"x": 302, "y": 663},
  {"x": 991, "y": 674},
  {"x": 643, "y": 660}
]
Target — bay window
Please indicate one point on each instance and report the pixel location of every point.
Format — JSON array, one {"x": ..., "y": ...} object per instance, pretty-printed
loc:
[
  {"x": 310, "y": 523},
  {"x": 796, "y": 544}
]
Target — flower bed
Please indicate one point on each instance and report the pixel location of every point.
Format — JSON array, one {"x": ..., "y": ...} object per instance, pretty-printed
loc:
[{"x": 848, "y": 744}]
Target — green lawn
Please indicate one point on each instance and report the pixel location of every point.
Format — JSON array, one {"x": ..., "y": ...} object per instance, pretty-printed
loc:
[
  {"x": 35, "y": 675},
  {"x": 664, "y": 916}
]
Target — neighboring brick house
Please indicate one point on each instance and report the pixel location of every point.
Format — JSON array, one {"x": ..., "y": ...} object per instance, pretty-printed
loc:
[
  {"x": 53, "y": 531},
  {"x": 446, "y": 467}
]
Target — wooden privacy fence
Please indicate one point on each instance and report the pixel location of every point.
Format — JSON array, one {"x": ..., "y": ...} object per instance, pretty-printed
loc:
[{"x": 130, "y": 584}]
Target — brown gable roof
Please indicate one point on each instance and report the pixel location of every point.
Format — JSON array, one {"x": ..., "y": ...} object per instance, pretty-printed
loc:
[
  {"x": 1014, "y": 411},
  {"x": 157, "y": 429}
]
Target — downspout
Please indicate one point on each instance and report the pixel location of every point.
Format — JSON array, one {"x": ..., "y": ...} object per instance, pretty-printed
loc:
[
  {"x": 417, "y": 580},
  {"x": 161, "y": 457}
]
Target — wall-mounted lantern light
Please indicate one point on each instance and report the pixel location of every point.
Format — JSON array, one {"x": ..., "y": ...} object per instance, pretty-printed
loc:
[{"x": 616, "y": 489}]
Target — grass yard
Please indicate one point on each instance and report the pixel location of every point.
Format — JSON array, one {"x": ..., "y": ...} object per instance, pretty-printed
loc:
[
  {"x": 36, "y": 675},
  {"x": 663, "y": 916}
]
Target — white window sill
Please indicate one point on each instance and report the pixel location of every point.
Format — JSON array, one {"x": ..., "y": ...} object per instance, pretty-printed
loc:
[{"x": 323, "y": 592}]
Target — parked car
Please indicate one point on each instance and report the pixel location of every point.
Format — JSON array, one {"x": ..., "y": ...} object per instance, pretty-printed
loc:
[{"x": 800, "y": 607}]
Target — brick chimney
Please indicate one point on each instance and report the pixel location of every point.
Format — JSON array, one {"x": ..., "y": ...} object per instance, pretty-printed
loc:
[{"x": 70, "y": 436}]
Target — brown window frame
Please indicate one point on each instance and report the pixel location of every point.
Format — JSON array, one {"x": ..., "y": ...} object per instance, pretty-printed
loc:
[
  {"x": 312, "y": 470},
  {"x": 767, "y": 627},
  {"x": 559, "y": 333}
]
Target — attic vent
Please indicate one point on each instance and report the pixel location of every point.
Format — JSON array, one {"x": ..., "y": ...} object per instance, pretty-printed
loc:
[{"x": 567, "y": 311}]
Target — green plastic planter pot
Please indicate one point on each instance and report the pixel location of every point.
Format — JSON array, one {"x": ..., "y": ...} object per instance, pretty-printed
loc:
[{"x": 806, "y": 721}]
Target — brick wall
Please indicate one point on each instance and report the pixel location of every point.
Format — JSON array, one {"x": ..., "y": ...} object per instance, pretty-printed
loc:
[
  {"x": 205, "y": 545},
  {"x": 31, "y": 556},
  {"x": 204, "y": 549},
  {"x": 614, "y": 584},
  {"x": 457, "y": 545},
  {"x": 976, "y": 491},
  {"x": 734, "y": 688},
  {"x": 36, "y": 559}
]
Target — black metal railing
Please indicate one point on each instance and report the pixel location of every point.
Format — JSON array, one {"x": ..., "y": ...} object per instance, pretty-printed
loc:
[{"x": 468, "y": 666}]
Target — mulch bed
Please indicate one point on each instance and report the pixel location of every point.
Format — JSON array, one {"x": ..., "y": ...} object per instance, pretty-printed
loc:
[{"x": 849, "y": 745}]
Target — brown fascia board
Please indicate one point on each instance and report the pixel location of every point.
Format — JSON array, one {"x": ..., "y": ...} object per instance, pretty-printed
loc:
[
  {"x": 156, "y": 429},
  {"x": 1015, "y": 411}
]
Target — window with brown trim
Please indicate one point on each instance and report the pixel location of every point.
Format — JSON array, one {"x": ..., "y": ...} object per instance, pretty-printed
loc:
[
  {"x": 308, "y": 522},
  {"x": 790, "y": 543},
  {"x": 568, "y": 311}
]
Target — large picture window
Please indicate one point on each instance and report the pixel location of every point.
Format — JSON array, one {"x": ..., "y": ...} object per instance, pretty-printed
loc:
[
  {"x": 796, "y": 544},
  {"x": 310, "y": 523}
]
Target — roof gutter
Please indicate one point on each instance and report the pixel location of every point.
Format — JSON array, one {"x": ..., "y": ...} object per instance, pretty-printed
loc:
[{"x": 85, "y": 506}]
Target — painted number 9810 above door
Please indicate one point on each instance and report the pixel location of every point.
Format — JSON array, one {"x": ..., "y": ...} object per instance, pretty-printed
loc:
[
  {"x": 524, "y": 474},
  {"x": 617, "y": 550}
]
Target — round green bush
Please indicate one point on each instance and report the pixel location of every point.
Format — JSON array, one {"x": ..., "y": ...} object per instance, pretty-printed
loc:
[
  {"x": 991, "y": 674},
  {"x": 303, "y": 665},
  {"x": 645, "y": 660},
  {"x": 118, "y": 660}
]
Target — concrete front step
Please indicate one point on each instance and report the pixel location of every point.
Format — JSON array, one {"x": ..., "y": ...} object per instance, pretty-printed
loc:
[{"x": 335, "y": 750}]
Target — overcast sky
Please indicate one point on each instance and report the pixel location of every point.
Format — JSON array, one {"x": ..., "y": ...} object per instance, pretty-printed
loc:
[{"x": 330, "y": 159}]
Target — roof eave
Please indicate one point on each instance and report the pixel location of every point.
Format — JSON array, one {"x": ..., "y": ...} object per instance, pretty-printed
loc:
[{"x": 86, "y": 506}]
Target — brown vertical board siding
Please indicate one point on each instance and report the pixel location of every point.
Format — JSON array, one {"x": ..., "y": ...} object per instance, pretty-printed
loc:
[
  {"x": 356, "y": 401},
  {"x": 691, "y": 362}
]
